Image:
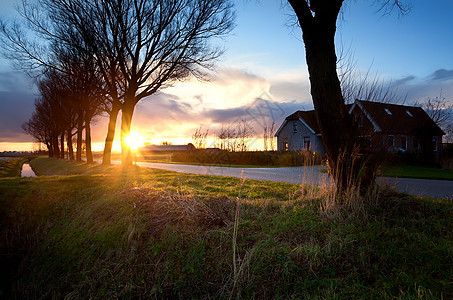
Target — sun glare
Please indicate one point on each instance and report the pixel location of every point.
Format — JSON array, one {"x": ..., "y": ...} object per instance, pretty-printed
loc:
[{"x": 135, "y": 140}]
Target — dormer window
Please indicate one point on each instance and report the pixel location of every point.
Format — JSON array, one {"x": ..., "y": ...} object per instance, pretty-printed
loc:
[
  {"x": 388, "y": 111},
  {"x": 409, "y": 113}
]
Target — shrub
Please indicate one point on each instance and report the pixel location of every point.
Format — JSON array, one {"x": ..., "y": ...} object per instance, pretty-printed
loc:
[{"x": 262, "y": 158}]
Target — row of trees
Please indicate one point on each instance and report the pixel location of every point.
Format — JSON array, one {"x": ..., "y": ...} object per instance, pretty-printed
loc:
[
  {"x": 69, "y": 100},
  {"x": 117, "y": 52},
  {"x": 231, "y": 137}
]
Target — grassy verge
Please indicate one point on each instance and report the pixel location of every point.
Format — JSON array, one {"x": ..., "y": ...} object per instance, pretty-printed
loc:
[
  {"x": 95, "y": 232},
  {"x": 417, "y": 172},
  {"x": 156, "y": 157}
]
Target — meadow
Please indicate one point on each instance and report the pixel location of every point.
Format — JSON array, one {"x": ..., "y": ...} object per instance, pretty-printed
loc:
[{"x": 89, "y": 231}]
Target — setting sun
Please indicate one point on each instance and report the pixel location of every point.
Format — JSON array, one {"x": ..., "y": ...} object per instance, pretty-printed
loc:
[{"x": 135, "y": 140}]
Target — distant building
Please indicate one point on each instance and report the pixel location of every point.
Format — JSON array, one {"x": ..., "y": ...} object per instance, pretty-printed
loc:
[
  {"x": 381, "y": 127},
  {"x": 300, "y": 131},
  {"x": 167, "y": 148}
]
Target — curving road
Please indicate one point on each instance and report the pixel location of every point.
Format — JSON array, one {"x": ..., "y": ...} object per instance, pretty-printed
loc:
[
  {"x": 308, "y": 175},
  {"x": 441, "y": 189}
]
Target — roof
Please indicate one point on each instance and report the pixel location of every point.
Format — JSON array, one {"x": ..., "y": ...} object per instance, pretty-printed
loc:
[
  {"x": 399, "y": 118},
  {"x": 308, "y": 116},
  {"x": 390, "y": 118}
]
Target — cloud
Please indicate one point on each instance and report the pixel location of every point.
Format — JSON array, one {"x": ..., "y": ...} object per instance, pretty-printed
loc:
[
  {"x": 225, "y": 115},
  {"x": 441, "y": 74},
  {"x": 416, "y": 89},
  {"x": 404, "y": 80},
  {"x": 229, "y": 96}
]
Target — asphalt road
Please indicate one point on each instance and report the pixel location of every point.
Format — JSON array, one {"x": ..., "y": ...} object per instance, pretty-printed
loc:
[{"x": 441, "y": 189}]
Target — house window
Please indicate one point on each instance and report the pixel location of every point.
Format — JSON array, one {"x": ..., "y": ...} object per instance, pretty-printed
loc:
[
  {"x": 388, "y": 111},
  {"x": 404, "y": 142},
  {"x": 391, "y": 141},
  {"x": 307, "y": 143},
  {"x": 435, "y": 143},
  {"x": 285, "y": 146},
  {"x": 294, "y": 126},
  {"x": 409, "y": 113}
]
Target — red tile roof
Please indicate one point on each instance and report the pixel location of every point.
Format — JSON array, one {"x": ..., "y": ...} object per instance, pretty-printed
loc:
[
  {"x": 393, "y": 118},
  {"x": 402, "y": 119}
]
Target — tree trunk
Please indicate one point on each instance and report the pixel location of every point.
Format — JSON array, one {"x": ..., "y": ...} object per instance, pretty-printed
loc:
[
  {"x": 334, "y": 121},
  {"x": 62, "y": 145},
  {"x": 79, "y": 136},
  {"x": 69, "y": 144},
  {"x": 107, "y": 156},
  {"x": 49, "y": 149},
  {"x": 56, "y": 149},
  {"x": 89, "y": 154},
  {"x": 127, "y": 112}
]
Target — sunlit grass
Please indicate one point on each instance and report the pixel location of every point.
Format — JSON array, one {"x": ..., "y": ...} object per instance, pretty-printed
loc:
[{"x": 96, "y": 232}]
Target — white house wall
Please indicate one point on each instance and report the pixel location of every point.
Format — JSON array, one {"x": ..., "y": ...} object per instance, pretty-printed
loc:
[{"x": 295, "y": 140}]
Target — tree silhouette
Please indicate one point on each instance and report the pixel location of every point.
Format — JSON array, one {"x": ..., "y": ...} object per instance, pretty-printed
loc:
[
  {"x": 317, "y": 19},
  {"x": 139, "y": 46}
]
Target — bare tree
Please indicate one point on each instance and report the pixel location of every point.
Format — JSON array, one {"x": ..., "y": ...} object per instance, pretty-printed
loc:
[
  {"x": 439, "y": 109},
  {"x": 244, "y": 131},
  {"x": 448, "y": 138},
  {"x": 45, "y": 125},
  {"x": 155, "y": 44},
  {"x": 268, "y": 137},
  {"x": 140, "y": 46},
  {"x": 356, "y": 85},
  {"x": 199, "y": 138},
  {"x": 317, "y": 20},
  {"x": 227, "y": 136},
  {"x": 37, "y": 128}
]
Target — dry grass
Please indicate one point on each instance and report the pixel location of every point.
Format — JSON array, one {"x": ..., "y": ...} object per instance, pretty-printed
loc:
[{"x": 166, "y": 209}]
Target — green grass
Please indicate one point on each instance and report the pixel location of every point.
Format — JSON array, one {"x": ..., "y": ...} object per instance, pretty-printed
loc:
[
  {"x": 96, "y": 232},
  {"x": 153, "y": 157},
  {"x": 417, "y": 172}
]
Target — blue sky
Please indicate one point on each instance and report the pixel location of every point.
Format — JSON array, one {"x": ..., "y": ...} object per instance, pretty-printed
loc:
[{"x": 265, "y": 55}]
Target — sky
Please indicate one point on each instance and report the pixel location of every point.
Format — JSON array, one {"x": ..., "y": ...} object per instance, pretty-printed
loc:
[{"x": 262, "y": 76}]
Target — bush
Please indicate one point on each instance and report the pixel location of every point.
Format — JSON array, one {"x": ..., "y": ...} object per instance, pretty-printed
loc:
[{"x": 261, "y": 158}]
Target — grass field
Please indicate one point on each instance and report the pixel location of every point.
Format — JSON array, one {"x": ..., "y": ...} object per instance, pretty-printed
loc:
[
  {"x": 97, "y": 232},
  {"x": 417, "y": 172}
]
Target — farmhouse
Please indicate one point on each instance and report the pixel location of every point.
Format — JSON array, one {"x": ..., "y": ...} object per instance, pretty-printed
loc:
[{"x": 381, "y": 127}]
